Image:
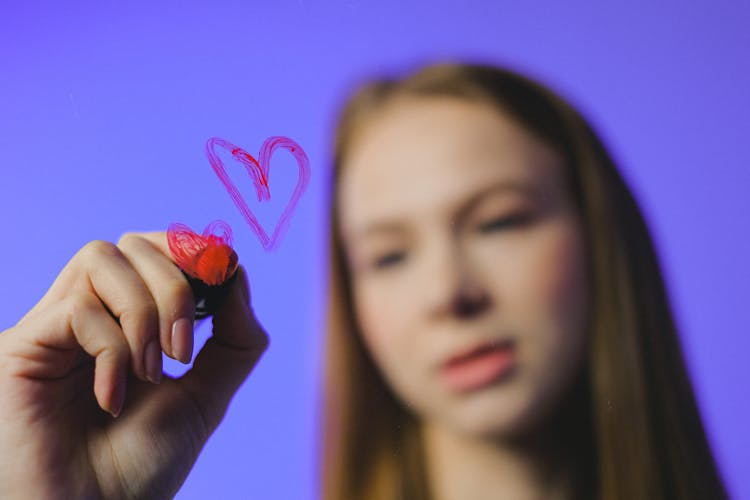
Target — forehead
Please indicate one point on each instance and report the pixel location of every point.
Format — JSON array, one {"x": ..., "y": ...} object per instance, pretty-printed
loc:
[{"x": 420, "y": 155}]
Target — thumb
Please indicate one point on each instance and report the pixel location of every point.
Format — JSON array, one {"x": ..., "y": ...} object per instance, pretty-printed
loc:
[{"x": 229, "y": 355}]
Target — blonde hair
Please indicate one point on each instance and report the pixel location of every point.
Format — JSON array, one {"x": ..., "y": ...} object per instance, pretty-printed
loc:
[{"x": 639, "y": 430}]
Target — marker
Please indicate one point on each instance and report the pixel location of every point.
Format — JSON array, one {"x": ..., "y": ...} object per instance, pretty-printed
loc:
[
  {"x": 207, "y": 297},
  {"x": 208, "y": 262}
]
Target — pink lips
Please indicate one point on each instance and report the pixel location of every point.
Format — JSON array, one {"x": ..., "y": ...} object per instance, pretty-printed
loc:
[{"x": 478, "y": 367}]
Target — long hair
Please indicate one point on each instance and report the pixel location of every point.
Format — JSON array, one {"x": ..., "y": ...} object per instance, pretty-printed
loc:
[{"x": 642, "y": 424}]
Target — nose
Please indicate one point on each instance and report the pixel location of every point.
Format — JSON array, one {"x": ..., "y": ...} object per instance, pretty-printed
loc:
[
  {"x": 469, "y": 301},
  {"x": 455, "y": 289}
]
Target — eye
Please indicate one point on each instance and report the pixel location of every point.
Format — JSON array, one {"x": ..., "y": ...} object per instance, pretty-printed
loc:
[
  {"x": 501, "y": 223},
  {"x": 389, "y": 260}
]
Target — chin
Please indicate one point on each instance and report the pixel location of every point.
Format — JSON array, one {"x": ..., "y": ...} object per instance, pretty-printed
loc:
[{"x": 492, "y": 416}]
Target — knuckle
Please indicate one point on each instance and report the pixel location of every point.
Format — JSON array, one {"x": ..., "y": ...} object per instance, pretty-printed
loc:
[
  {"x": 11, "y": 367},
  {"x": 80, "y": 307},
  {"x": 115, "y": 352},
  {"x": 97, "y": 248},
  {"x": 118, "y": 352},
  {"x": 134, "y": 240},
  {"x": 128, "y": 239},
  {"x": 138, "y": 320},
  {"x": 80, "y": 304},
  {"x": 6, "y": 362}
]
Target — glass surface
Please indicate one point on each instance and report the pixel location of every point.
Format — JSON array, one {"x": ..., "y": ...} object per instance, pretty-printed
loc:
[{"x": 105, "y": 108}]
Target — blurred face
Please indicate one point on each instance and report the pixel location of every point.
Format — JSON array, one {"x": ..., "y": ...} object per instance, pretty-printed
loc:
[{"x": 467, "y": 262}]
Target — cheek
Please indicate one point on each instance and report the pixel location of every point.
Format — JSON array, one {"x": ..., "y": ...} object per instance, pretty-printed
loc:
[
  {"x": 556, "y": 306},
  {"x": 560, "y": 279},
  {"x": 567, "y": 284},
  {"x": 539, "y": 275},
  {"x": 383, "y": 319},
  {"x": 397, "y": 341},
  {"x": 540, "y": 287}
]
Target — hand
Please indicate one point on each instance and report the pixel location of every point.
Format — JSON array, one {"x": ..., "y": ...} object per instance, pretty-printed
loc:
[{"x": 103, "y": 325}]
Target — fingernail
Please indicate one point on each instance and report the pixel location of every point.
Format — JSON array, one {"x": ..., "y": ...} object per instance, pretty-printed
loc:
[
  {"x": 152, "y": 361},
  {"x": 182, "y": 339}
]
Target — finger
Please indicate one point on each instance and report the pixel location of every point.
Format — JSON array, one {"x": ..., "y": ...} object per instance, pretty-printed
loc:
[
  {"x": 173, "y": 297},
  {"x": 238, "y": 341},
  {"x": 101, "y": 268},
  {"x": 159, "y": 240},
  {"x": 79, "y": 322}
]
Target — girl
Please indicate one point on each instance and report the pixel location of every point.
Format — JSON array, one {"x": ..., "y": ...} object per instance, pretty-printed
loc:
[
  {"x": 478, "y": 218},
  {"x": 498, "y": 325}
]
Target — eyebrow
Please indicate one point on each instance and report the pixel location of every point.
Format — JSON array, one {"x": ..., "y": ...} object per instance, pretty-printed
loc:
[
  {"x": 505, "y": 186},
  {"x": 395, "y": 226}
]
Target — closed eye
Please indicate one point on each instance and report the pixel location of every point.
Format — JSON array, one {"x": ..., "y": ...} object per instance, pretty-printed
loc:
[
  {"x": 389, "y": 260},
  {"x": 502, "y": 223}
]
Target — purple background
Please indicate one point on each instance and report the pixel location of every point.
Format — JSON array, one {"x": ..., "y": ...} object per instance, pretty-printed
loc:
[{"x": 105, "y": 107}]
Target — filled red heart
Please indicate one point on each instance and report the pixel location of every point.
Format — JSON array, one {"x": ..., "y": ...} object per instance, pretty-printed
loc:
[
  {"x": 259, "y": 173},
  {"x": 208, "y": 257}
]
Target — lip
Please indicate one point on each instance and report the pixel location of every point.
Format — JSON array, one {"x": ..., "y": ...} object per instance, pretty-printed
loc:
[
  {"x": 478, "y": 366},
  {"x": 478, "y": 349}
]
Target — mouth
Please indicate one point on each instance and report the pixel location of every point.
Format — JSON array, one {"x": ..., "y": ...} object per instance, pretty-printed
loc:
[{"x": 479, "y": 366}]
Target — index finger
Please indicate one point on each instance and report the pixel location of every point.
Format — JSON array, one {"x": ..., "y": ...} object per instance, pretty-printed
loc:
[{"x": 158, "y": 239}]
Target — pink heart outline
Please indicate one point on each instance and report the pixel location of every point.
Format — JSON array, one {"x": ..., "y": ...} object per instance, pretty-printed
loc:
[{"x": 259, "y": 172}]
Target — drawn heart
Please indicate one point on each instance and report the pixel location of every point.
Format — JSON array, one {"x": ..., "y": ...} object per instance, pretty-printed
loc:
[
  {"x": 259, "y": 173},
  {"x": 208, "y": 257},
  {"x": 208, "y": 261}
]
